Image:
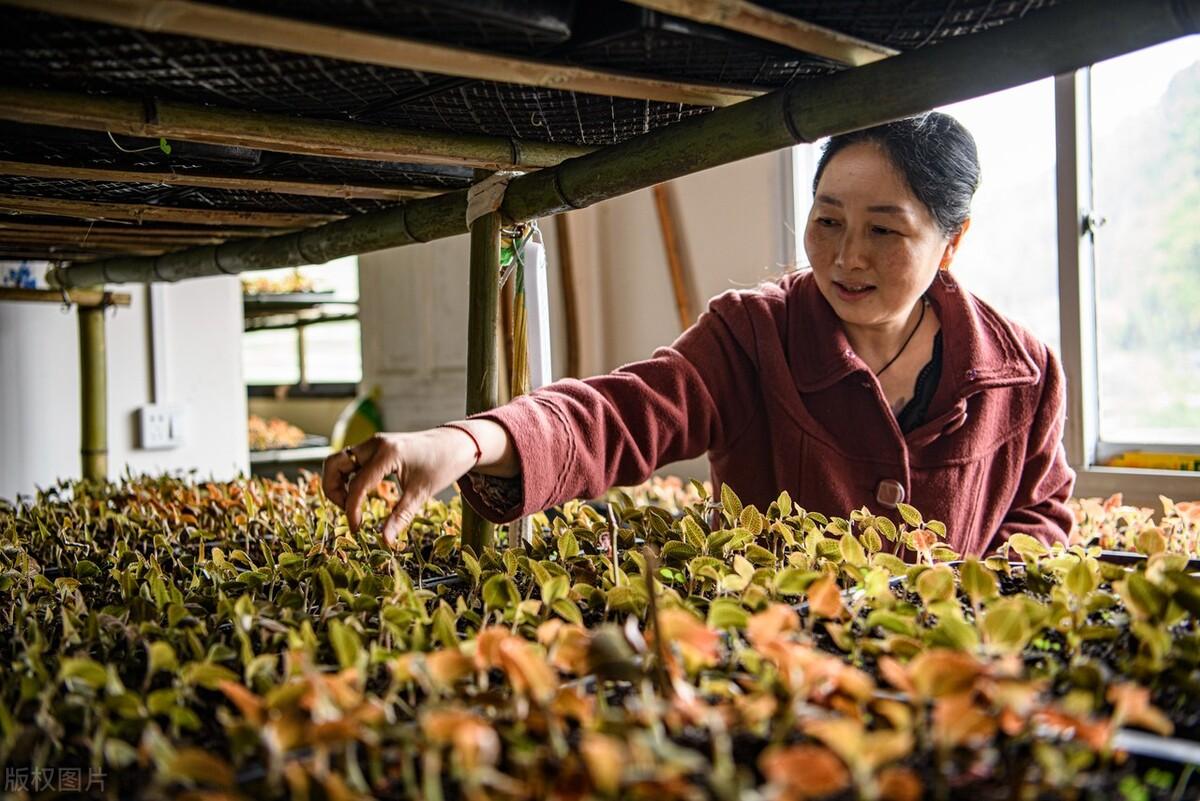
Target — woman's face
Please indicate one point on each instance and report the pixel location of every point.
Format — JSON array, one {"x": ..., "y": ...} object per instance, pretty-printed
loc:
[{"x": 874, "y": 248}]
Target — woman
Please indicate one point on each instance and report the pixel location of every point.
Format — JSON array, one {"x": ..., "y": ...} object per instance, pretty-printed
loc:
[{"x": 870, "y": 380}]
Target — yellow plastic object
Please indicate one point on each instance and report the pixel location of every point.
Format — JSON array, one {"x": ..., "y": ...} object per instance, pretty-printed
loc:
[
  {"x": 358, "y": 422},
  {"x": 1157, "y": 461}
]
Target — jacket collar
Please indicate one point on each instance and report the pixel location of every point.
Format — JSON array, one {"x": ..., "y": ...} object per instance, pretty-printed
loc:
[{"x": 980, "y": 349}]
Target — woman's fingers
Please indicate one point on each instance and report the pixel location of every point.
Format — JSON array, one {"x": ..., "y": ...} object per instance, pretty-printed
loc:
[
  {"x": 375, "y": 468},
  {"x": 335, "y": 473},
  {"x": 403, "y": 513}
]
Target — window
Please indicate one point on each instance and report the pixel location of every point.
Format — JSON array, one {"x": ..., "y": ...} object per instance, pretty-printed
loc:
[
  {"x": 1009, "y": 256},
  {"x": 1145, "y": 126},
  {"x": 290, "y": 347},
  {"x": 1130, "y": 269}
]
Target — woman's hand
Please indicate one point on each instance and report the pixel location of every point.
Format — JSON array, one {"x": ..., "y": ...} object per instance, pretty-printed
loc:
[{"x": 423, "y": 462}]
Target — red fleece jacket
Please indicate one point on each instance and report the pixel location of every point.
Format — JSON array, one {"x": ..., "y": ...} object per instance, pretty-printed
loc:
[{"x": 767, "y": 384}]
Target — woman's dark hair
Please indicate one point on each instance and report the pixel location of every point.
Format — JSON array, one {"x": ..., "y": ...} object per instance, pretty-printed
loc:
[{"x": 935, "y": 154}]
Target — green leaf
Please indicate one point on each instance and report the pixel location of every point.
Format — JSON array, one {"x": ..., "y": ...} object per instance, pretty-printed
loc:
[
  {"x": 936, "y": 584},
  {"x": 1080, "y": 579},
  {"x": 937, "y": 527},
  {"x": 726, "y": 613},
  {"x": 952, "y": 632},
  {"x": 730, "y": 503},
  {"x": 889, "y": 562},
  {"x": 554, "y": 589},
  {"x": 978, "y": 582},
  {"x": 206, "y": 674},
  {"x": 784, "y": 501},
  {"x": 443, "y": 626},
  {"x": 887, "y": 528},
  {"x": 626, "y": 598},
  {"x": 165, "y": 147},
  {"x": 692, "y": 532},
  {"x": 346, "y": 644},
  {"x": 1027, "y": 547},
  {"x": 716, "y": 542},
  {"x": 852, "y": 550},
  {"x": 85, "y": 568},
  {"x": 751, "y": 520},
  {"x": 567, "y": 610},
  {"x": 86, "y": 670},
  {"x": 1151, "y": 541},
  {"x": 472, "y": 565},
  {"x": 1005, "y": 625},
  {"x": 568, "y": 546},
  {"x": 759, "y": 555},
  {"x": 328, "y": 590},
  {"x": 677, "y": 552},
  {"x": 499, "y": 592},
  {"x": 910, "y": 515},
  {"x": 1143, "y": 598},
  {"x": 162, "y": 657},
  {"x": 892, "y": 621},
  {"x": 794, "y": 581},
  {"x": 871, "y": 540}
]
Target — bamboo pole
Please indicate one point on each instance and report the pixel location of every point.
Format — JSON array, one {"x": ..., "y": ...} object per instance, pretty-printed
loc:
[
  {"x": 137, "y": 212},
  {"x": 1059, "y": 39},
  {"x": 566, "y": 262},
  {"x": 304, "y": 188},
  {"x": 774, "y": 26},
  {"x": 276, "y": 132},
  {"x": 93, "y": 393},
  {"x": 482, "y": 370},
  {"x": 254, "y": 29},
  {"x": 677, "y": 266}
]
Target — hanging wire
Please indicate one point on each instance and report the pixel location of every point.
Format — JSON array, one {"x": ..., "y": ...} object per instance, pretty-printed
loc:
[{"x": 117, "y": 145}]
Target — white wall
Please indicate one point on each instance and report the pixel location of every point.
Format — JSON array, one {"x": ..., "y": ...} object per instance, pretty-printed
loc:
[
  {"x": 39, "y": 386},
  {"x": 736, "y": 231}
]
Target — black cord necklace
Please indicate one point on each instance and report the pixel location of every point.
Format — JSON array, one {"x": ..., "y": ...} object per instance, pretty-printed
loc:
[{"x": 916, "y": 328}]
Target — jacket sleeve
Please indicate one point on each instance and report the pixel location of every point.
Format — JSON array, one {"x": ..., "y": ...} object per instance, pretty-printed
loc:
[
  {"x": 1039, "y": 507},
  {"x": 576, "y": 438}
]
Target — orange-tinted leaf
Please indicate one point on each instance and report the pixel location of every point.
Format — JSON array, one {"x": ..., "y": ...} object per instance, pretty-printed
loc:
[
  {"x": 486, "y": 644},
  {"x": 605, "y": 758},
  {"x": 249, "y": 704},
  {"x": 447, "y": 667},
  {"x": 825, "y": 598},
  {"x": 942, "y": 671},
  {"x": 1133, "y": 707},
  {"x": 771, "y": 622},
  {"x": 527, "y": 669},
  {"x": 958, "y": 721},
  {"x": 804, "y": 771},
  {"x": 900, "y": 784}
]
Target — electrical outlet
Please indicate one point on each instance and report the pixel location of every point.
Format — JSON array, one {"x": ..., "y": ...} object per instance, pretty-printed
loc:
[{"x": 160, "y": 427}]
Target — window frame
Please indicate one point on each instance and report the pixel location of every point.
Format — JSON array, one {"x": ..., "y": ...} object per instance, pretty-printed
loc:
[{"x": 1086, "y": 450}]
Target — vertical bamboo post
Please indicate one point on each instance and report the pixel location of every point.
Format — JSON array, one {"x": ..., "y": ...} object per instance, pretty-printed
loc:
[
  {"x": 482, "y": 319},
  {"x": 93, "y": 392}
]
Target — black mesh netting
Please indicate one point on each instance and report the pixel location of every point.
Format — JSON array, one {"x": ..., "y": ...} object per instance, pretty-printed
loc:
[{"x": 45, "y": 51}]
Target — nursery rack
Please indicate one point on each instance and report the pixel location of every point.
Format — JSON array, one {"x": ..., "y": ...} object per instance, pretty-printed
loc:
[{"x": 267, "y": 135}]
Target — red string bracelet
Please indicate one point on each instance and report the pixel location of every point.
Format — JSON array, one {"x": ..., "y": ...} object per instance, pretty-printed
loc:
[{"x": 467, "y": 431}]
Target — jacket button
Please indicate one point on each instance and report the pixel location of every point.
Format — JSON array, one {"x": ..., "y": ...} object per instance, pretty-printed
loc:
[
  {"x": 971, "y": 374},
  {"x": 889, "y": 493}
]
